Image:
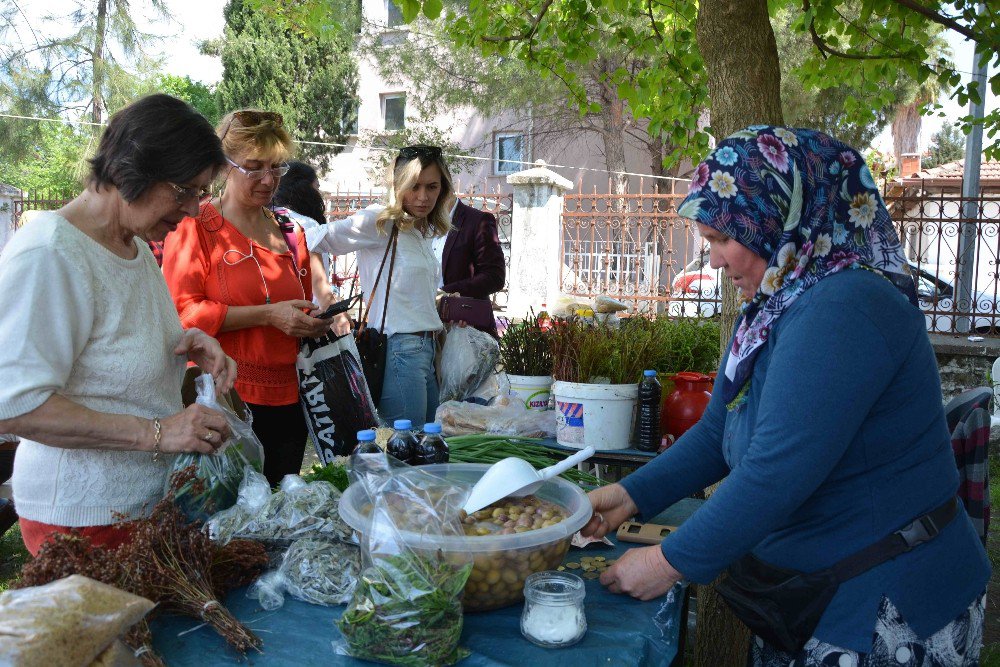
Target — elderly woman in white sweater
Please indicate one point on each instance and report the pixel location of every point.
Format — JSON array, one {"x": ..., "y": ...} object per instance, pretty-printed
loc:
[{"x": 91, "y": 349}]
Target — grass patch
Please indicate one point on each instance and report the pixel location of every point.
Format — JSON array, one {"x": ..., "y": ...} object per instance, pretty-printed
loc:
[{"x": 13, "y": 556}]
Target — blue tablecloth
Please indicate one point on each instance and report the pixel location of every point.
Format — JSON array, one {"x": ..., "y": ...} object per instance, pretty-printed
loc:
[{"x": 621, "y": 631}]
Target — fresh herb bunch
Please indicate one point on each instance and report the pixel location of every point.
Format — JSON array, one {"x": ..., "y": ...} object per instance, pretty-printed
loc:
[
  {"x": 686, "y": 344},
  {"x": 488, "y": 448},
  {"x": 216, "y": 481},
  {"x": 526, "y": 348},
  {"x": 584, "y": 352},
  {"x": 334, "y": 473},
  {"x": 407, "y": 610}
]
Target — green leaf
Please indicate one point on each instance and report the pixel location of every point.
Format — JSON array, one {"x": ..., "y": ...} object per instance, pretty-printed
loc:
[{"x": 432, "y": 8}]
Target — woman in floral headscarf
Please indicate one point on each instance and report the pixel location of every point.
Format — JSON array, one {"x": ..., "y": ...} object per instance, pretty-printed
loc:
[{"x": 827, "y": 422}]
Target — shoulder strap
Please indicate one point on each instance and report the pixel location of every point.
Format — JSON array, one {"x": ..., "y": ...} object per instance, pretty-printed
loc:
[
  {"x": 391, "y": 245},
  {"x": 287, "y": 228}
]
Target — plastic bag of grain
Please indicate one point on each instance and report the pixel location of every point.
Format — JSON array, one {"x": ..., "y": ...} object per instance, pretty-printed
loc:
[{"x": 67, "y": 622}]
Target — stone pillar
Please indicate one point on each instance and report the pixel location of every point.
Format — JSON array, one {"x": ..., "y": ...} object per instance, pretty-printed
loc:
[
  {"x": 535, "y": 261},
  {"x": 8, "y": 195}
]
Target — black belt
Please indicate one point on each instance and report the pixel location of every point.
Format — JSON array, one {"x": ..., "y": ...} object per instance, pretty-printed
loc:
[
  {"x": 919, "y": 531},
  {"x": 422, "y": 334}
]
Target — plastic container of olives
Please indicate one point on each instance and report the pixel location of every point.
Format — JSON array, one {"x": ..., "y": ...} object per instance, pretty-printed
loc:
[{"x": 502, "y": 562}]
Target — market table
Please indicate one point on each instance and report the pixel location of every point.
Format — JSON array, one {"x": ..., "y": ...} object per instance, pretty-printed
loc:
[
  {"x": 621, "y": 630},
  {"x": 618, "y": 458}
]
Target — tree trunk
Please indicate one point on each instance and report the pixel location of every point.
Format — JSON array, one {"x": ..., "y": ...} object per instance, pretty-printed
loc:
[
  {"x": 906, "y": 131},
  {"x": 97, "y": 82},
  {"x": 656, "y": 148},
  {"x": 613, "y": 121},
  {"x": 744, "y": 84}
]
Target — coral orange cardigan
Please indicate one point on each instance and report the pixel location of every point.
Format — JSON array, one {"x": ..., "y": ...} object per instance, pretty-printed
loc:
[{"x": 210, "y": 265}]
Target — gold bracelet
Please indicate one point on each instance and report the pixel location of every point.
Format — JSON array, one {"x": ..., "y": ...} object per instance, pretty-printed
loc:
[{"x": 157, "y": 432}]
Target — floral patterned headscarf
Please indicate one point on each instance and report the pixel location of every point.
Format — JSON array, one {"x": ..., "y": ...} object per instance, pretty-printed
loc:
[{"x": 808, "y": 205}]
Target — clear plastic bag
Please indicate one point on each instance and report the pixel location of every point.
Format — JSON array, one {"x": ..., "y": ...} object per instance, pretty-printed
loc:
[
  {"x": 503, "y": 417},
  {"x": 468, "y": 357},
  {"x": 70, "y": 621},
  {"x": 314, "y": 570},
  {"x": 407, "y": 607},
  {"x": 307, "y": 509},
  {"x": 217, "y": 477}
]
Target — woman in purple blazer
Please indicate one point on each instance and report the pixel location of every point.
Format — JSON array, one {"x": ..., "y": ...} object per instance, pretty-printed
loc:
[{"x": 472, "y": 263}]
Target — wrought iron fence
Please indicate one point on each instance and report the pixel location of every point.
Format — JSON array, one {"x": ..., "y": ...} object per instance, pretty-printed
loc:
[
  {"x": 37, "y": 201},
  {"x": 931, "y": 225},
  {"x": 634, "y": 248}
]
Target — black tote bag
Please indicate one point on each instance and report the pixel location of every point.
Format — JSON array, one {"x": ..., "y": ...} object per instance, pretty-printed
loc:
[{"x": 373, "y": 343}]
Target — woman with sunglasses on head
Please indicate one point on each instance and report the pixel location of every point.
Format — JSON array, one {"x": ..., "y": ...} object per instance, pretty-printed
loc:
[
  {"x": 91, "y": 350},
  {"x": 243, "y": 274},
  {"x": 419, "y": 199}
]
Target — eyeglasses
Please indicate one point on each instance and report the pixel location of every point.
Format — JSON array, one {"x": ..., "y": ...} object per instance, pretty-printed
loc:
[
  {"x": 259, "y": 174},
  {"x": 420, "y": 150},
  {"x": 184, "y": 195}
]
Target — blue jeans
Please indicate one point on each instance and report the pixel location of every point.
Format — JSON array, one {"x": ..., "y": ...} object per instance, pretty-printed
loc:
[{"x": 409, "y": 386}]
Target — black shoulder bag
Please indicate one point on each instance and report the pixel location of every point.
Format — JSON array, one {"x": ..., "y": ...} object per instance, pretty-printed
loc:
[
  {"x": 373, "y": 343},
  {"x": 784, "y": 606}
]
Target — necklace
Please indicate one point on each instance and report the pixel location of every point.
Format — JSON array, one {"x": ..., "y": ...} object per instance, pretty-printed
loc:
[{"x": 233, "y": 256}]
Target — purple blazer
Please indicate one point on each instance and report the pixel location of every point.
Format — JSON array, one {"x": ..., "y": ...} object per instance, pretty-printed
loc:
[{"x": 472, "y": 263}]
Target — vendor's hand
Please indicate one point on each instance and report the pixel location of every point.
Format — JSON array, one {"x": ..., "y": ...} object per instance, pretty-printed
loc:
[
  {"x": 643, "y": 573},
  {"x": 207, "y": 354},
  {"x": 341, "y": 324},
  {"x": 612, "y": 506},
  {"x": 289, "y": 318},
  {"x": 195, "y": 429}
]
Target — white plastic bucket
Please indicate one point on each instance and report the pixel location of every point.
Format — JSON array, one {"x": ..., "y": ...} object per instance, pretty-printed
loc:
[
  {"x": 595, "y": 415},
  {"x": 533, "y": 390}
]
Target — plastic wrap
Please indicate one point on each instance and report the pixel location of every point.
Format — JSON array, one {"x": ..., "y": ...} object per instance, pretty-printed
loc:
[
  {"x": 69, "y": 622},
  {"x": 307, "y": 509},
  {"x": 503, "y": 417},
  {"x": 407, "y": 608},
  {"x": 313, "y": 570},
  {"x": 217, "y": 476},
  {"x": 468, "y": 357}
]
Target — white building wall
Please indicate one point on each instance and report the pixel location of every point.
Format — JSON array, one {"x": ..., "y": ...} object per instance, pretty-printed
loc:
[{"x": 576, "y": 156}]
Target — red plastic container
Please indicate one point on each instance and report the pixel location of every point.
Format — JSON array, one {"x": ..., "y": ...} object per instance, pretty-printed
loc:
[{"x": 684, "y": 407}]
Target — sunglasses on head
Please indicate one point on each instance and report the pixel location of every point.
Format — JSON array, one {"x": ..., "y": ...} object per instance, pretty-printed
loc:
[
  {"x": 419, "y": 151},
  {"x": 250, "y": 117}
]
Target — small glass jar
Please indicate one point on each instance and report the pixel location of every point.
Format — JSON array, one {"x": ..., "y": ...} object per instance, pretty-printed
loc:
[{"x": 553, "y": 615}]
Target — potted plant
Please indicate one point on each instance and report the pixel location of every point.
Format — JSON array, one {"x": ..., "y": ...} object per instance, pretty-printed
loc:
[
  {"x": 597, "y": 370},
  {"x": 526, "y": 357}
]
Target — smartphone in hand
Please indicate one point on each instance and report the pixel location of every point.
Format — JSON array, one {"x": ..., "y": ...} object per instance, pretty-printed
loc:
[{"x": 338, "y": 308}]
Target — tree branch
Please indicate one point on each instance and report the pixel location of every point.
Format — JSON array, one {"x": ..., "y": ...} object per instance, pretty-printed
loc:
[
  {"x": 946, "y": 21},
  {"x": 827, "y": 50},
  {"x": 528, "y": 32},
  {"x": 652, "y": 21}
]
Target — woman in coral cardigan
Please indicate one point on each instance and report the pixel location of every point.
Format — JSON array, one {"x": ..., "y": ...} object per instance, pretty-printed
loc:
[{"x": 233, "y": 274}]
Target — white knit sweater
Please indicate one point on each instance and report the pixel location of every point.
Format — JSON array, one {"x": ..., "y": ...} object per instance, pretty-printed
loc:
[{"x": 78, "y": 320}]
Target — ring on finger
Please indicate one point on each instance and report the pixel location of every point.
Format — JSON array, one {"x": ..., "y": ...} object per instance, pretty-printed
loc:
[{"x": 207, "y": 437}]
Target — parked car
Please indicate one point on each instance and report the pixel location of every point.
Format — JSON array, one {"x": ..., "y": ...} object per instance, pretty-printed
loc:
[{"x": 696, "y": 292}]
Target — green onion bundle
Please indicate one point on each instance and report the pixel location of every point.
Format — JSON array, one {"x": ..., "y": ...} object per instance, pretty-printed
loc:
[
  {"x": 526, "y": 348},
  {"x": 489, "y": 448}
]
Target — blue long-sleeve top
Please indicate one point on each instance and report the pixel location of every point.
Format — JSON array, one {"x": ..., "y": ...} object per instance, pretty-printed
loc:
[{"x": 842, "y": 440}]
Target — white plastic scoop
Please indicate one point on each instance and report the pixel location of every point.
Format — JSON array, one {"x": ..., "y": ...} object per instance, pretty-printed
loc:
[{"x": 516, "y": 477}]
